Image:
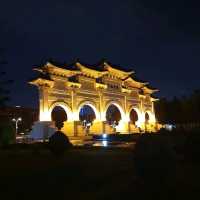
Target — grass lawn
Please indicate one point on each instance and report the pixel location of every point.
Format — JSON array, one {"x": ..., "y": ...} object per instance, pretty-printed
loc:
[{"x": 93, "y": 173}]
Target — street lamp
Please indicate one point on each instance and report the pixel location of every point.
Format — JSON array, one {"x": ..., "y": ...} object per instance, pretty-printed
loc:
[{"x": 19, "y": 119}]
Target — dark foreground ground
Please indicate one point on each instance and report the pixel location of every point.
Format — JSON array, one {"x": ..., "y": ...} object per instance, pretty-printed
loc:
[{"x": 94, "y": 173}]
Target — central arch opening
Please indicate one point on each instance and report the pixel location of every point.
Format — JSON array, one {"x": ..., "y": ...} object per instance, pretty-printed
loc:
[
  {"x": 87, "y": 114},
  {"x": 133, "y": 116},
  {"x": 113, "y": 115},
  {"x": 58, "y": 116}
]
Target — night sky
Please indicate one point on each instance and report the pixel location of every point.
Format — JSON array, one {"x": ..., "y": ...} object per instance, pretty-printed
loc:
[{"x": 159, "y": 40}]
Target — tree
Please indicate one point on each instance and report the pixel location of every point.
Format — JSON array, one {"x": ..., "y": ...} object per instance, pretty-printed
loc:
[
  {"x": 180, "y": 110},
  {"x": 161, "y": 110},
  {"x": 4, "y": 92},
  {"x": 7, "y": 134}
]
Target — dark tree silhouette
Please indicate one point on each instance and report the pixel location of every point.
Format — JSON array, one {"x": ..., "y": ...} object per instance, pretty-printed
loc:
[
  {"x": 4, "y": 92},
  {"x": 7, "y": 134},
  {"x": 180, "y": 110}
]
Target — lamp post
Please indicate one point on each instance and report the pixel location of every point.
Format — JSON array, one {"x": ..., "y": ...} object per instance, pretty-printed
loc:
[{"x": 19, "y": 119}]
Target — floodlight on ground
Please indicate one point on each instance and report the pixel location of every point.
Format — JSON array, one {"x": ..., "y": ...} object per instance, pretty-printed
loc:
[
  {"x": 105, "y": 143},
  {"x": 104, "y": 136}
]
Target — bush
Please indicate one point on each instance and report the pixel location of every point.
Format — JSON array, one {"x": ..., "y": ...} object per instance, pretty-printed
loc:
[
  {"x": 192, "y": 146},
  {"x": 7, "y": 134},
  {"x": 59, "y": 143}
]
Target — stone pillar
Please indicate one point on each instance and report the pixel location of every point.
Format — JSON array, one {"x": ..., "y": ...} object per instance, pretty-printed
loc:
[
  {"x": 152, "y": 107},
  {"x": 123, "y": 126},
  {"x": 70, "y": 128},
  {"x": 101, "y": 108},
  {"x": 74, "y": 105},
  {"x": 98, "y": 127},
  {"x": 125, "y": 108},
  {"x": 43, "y": 104},
  {"x": 142, "y": 116}
]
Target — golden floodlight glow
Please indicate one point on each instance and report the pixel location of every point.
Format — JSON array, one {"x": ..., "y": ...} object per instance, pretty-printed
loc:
[
  {"x": 141, "y": 120},
  {"x": 45, "y": 116},
  {"x": 122, "y": 126}
]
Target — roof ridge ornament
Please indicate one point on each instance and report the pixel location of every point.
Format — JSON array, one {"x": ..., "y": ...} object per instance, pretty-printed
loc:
[
  {"x": 148, "y": 90},
  {"x": 56, "y": 70},
  {"x": 117, "y": 72},
  {"x": 91, "y": 72}
]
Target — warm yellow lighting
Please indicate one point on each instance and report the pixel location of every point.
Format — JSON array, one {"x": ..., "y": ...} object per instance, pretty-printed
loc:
[
  {"x": 125, "y": 90},
  {"x": 140, "y": 122},
  {"x": 141, "y": 118},
  {"x": 122, "y": 126},
  {"x": 45, "y": 116},
  {"x": 152, "y": 118},
  {"x": 101, "y": 86},
  {"x": 116, "y": 72},
  {"x": 72, "y": 89},
  {"x": 131, "y": 82},
  {"x": 76, "y": 116},
  {"x": 72, "y": 84}
]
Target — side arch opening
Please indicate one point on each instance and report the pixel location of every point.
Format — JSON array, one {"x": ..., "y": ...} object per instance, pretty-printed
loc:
[
  {"x": 133, "y": 116},
  {"x": 113, "y": 115},
  {"x": 58, "y": 116},
  {"x": 88, "y": 116}
]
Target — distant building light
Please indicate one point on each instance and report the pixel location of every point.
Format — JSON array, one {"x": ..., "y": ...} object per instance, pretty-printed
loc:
[{"x": 18, "y": 106}]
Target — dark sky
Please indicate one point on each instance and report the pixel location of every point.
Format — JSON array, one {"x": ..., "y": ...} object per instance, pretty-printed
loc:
[{"x": 159, "y": 40}]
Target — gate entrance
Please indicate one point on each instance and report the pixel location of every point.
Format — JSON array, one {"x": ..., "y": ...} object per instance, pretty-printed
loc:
[
  {"x": 101, "y": 96},
  {"x": 87, "y": 117},
  {"x": 59, "y": 117}
]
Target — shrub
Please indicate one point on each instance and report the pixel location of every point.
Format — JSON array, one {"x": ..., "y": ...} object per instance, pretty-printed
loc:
[
  {"x": 7, "y": 134},
  {"x": 59, "y": 143},
  {"x": 192, "y": 146}
]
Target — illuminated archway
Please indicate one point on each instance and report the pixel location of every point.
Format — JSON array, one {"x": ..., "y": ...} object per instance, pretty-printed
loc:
[
  {"x": 118, "y": 107},
  {"x": 113, "y": 114},
  {"x": 92, "y": 106},
  {"x": 87, "y": 114},
  {"x": 149, "y": 117},
  {"x": 65, "y": 107},
  {"x": 121, "y": 125},
  {"x": 58, "y": 116},
  {"x": 140, "y": 120}
]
